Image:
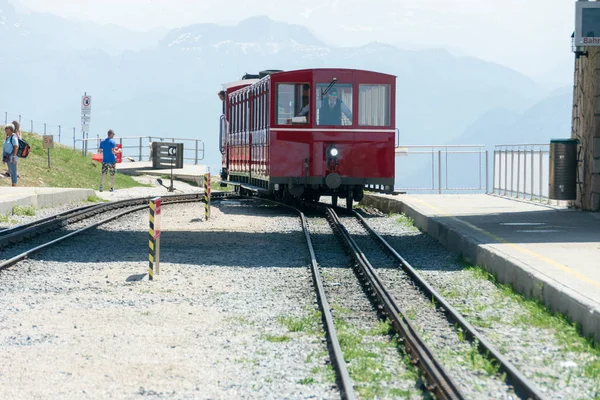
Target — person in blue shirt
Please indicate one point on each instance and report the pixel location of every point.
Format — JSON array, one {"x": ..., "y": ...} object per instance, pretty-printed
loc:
[
  {"x": 108, "y": 148},
  {"x": 9, "y": 152}
]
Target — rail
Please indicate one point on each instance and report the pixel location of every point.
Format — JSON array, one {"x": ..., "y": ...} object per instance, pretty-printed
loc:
[
  {"x": 522, "y": 171},
  {"x": 443, "y": 161},
  {"x": 139, "y": 147}
]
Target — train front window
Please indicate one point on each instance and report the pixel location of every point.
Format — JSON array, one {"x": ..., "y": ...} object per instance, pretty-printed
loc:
[
  {"x": 374, "y": 105},
  {"x": 334, "y": 104},
  {"x": 292, "y": 103}
]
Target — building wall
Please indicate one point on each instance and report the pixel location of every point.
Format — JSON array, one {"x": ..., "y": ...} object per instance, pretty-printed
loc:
[{"x": 586, "y": 128}]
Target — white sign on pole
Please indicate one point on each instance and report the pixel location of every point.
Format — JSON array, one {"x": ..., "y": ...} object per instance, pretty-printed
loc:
[
  {"x": 85, "y": 127},
  {"x": 85, "y": 118},
  {"x": 86, "y": 104}
]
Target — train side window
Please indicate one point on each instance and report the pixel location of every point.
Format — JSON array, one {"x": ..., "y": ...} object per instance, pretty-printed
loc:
[
  {"x": 374, "y": 105},
  {"x": 334, "y": 104},
  {"x": 292, "y": 103}
]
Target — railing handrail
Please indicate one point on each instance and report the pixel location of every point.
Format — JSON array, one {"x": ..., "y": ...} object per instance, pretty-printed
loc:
[
  {"x": 139, "y": 137},
  {"x": 522, "y": 145},
  {"x": 441, "y": 146}
]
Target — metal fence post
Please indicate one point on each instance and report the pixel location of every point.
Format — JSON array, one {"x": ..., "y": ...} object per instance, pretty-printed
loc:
[
  {"x": 487, "y": 172},
  {"x": 532, "y": 175},
  {"x": 541, "y": 166},
  {"x": 440, "y": 171},
  {"x": 512, "y": 172},
  {"x": 5, "y": 117},
  {"x": 140, "y": 156},
  {"x": 479, "y": 154},
  {"x": 432, "y": 169},
  {"x": 518, "y": 172},
  {"x": 19, "y": 118},
  {"x": 59, "y": 134},
  {"x": 31, "y": 126},
  {"x": 74, "y": 141},
  {"x": 44, "y": 128},
  {"x": 524, "y": 173},
  {"x": 505, "y": 171},
  {"x": 196, "y": 157},
  {"x": 446, "y": 167}
]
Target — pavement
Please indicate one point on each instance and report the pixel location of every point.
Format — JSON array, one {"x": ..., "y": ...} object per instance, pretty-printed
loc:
[
  {"x": 40, "y": 197},
  {"x": 189, "y": 172},
  {"x": 544, "y": 252}
]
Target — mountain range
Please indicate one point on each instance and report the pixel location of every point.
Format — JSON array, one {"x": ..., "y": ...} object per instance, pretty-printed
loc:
[{"x": 165, "y": 82}]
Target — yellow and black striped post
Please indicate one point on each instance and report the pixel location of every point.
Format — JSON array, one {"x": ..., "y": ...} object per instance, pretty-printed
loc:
[
  {"x": 207, "y": 195},
  {"x": 154, "y": 239}
]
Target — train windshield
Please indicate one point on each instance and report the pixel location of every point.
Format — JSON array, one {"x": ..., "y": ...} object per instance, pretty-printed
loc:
[
  {"x": 374, "y": 105},
  {"x": 292, "y": 103},
  {"x": 334, "y": 107}
]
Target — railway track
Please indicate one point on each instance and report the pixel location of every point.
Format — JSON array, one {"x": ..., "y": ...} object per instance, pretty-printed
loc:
[
  {"x": 55, "y": 223},
  {"x": 439, "y": 381}
]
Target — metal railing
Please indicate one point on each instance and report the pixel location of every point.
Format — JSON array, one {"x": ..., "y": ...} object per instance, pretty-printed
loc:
[
  {"x": 139, "y": 147},
  {"x": 41, "y": 128},
  {"x": 522, "y": 171},
  {"x": 450, "y": 174}
]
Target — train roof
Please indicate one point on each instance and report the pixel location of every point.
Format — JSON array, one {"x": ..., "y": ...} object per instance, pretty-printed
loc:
[{"x": 278, "y": 73}]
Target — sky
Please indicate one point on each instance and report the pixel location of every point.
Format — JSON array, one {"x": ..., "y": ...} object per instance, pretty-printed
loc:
[{"x": 530, "y": 36}]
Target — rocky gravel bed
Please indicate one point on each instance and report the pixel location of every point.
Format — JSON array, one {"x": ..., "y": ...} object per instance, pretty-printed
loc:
[
  {"x": 378, "y": 368},
  {"x": 475, "y": 377},
  {"x": 232, "y": 313},
  {"x": 33, "y": 242},
  {"x": 545, "y": 348}
]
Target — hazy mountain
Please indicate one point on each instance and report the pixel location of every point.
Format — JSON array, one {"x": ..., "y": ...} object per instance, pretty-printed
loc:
[
  {"x": 440, "y": 96},
  {"x": 547, "y": 119},
  {"x": 30, "y": 33}
]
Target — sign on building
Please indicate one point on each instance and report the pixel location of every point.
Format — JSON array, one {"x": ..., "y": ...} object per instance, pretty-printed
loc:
[{"x": 587, "y": 23}]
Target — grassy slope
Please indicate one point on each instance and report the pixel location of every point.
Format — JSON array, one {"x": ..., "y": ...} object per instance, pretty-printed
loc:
[{"x": 68, "y": 168}]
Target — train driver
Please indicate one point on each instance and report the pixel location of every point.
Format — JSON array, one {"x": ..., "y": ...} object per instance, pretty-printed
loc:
[{"x": 331, "y": 111}]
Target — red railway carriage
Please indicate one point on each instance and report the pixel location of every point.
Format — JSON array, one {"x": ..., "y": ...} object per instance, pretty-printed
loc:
[{"x": 309, "y": 133}]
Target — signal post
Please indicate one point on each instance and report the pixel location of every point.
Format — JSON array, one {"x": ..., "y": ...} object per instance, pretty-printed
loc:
[{"x": 154, "y": 238}]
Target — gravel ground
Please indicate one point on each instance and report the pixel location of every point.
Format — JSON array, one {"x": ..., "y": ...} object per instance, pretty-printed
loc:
[
  {"x": 438, "y": 333},
  {"x": 119, "y": 194},
  {"x": 376, "y": 366},
  {"x": 546, "y": 350},
  {"x": 221, "y": 320}
]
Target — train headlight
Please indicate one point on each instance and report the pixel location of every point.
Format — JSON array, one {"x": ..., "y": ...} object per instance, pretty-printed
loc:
[{"x": 333, "y": 152}]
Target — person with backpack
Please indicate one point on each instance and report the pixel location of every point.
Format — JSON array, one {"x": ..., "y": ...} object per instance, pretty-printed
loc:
[{"x": 9, "y": 152}]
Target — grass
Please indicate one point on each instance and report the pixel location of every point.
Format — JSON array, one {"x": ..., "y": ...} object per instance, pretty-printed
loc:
[
  {"x": 307, "y": 323},
  {"x": 276, "y": 338},
  {"x": 23, "y": 210},
  {"x": 96, "y": 199},
  {"x": 568, "y": 334},
  {"x": 5, "y": 219},
  {"x": 365, "y": 366},
  {"x": 68, "y": 168},
  {"x": 406, "y": 222}
]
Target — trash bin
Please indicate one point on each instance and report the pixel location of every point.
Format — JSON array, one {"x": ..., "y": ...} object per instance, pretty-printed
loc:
[{"x": 563, "y": 169}]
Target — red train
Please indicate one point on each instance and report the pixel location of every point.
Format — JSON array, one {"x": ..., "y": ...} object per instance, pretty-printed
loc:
[{"x": 309, "y": 133}]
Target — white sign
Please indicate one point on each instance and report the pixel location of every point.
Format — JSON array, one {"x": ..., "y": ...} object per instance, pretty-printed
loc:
[
  {"x": 85, "y": 118},
  {"x": 85, "y": 127},
  {"x": 587, "y": 23}
]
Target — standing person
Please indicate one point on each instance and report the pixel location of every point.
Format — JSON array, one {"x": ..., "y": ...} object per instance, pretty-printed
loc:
[
  {"x": 17, "y": 125},
  {"x": 9, "y": 152},
  {"x": 108, "y": 148}
]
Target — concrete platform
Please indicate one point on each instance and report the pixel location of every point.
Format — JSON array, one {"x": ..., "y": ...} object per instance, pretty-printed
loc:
[
  {"x": 40, "y": 197},
  {"x": 189, "y": 172},
  {"x": 548, "y": 253}
]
